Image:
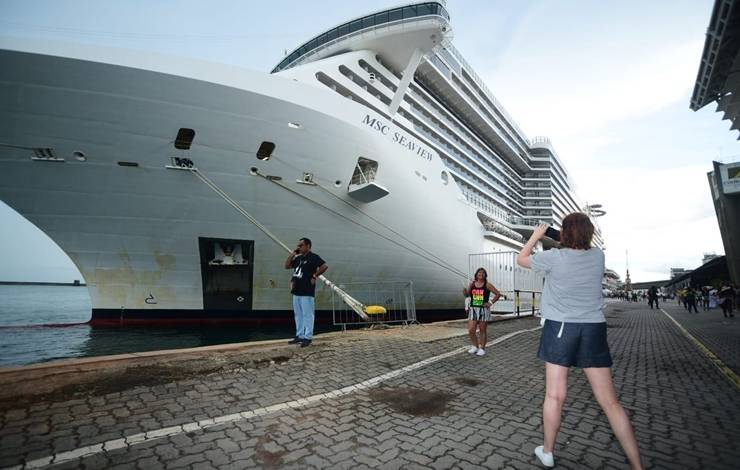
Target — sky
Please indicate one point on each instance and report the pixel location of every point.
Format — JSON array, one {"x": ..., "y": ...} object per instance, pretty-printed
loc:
[{"x": 608, "y": 82}]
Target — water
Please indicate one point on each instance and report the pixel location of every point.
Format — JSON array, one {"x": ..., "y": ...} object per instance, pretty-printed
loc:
[{"x": 21, "y": 307}]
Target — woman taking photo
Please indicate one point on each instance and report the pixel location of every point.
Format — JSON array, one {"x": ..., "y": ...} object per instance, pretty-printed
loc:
[
  {"x": 478, "y": 304},
  {"x": 574, "y": 332}
]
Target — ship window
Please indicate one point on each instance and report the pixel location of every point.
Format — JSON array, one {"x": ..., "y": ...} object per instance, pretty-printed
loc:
[
  {"x": 355, "y": 26},
  {"x": 395, "y": 15},
  {"x": 381, "y": 18},
  {"x": 409, "y": 12},
  {"x": 265, "y": 150},
  {"x": 184, "y": 138},
  {"x": 368, "y": 21},
  {"x": 425, "y": 9},
  {"x": 445, "y": 178},
  {"x": 342, "y": 30},
  {"x": 331, "y": 35}
]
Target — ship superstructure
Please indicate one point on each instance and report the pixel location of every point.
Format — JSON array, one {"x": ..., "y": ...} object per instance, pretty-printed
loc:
[
  {"x": 515, "y": 182},
  {"x": 375, "y": 138}
]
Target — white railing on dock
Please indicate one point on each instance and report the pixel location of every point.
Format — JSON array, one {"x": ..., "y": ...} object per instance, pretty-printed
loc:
[{"x": 508, "y": 277}]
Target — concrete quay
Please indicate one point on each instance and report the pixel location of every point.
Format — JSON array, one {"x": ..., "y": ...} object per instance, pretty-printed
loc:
[{"x": 407, "y": 398}]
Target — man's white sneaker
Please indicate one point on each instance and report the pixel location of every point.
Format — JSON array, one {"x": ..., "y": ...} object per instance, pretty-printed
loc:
[
  {"x": 473, "y": 350},
  {"x": 481, "y": 352},
  {"x": 546, "y": 459}
]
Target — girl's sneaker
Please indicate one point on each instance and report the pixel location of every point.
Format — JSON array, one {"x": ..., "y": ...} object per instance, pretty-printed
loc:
[
  {"x": 546, "y": 459},
  {"x": 481, "y": 352},
  {"x": 473, "y": 350}
]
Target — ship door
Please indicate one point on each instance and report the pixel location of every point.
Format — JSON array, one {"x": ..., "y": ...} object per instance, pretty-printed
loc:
[{"x": 226, "y": 266}]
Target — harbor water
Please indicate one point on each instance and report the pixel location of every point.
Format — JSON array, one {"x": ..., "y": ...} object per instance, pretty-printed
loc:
[{"x": 26, "y": 337}]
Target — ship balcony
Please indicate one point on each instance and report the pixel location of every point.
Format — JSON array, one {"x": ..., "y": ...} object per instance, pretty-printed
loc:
[
  {"x": 362, "y": 185},
  {"x": 367, "y": 192}
]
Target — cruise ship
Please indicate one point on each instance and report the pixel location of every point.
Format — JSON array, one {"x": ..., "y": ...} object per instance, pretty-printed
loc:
[{"x": 177, "y": 186}]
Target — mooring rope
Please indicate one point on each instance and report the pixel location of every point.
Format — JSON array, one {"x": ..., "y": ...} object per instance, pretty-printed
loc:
[
  {"x": 429, "y": 258},
  {"x": 353, "y": 303}
]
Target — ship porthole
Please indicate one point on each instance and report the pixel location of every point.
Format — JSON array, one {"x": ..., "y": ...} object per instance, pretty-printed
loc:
[
  {"x": 338, "y": 183},
  {"x": 265, "y": 151},
  {"x": 294, "y": 125},
  {"x": 445, "y": 178},
  {"x": 79, "y": 156}
]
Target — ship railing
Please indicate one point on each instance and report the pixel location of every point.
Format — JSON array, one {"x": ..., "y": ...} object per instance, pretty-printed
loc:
[
  {"x": 485, "y": 206},
  {"x": 386, "y": 303},
  {"x": 529, "y": 222},
  {"x": 481, "y": 84},
  {"x": 321, "y": 43},
  {"x": 494, "y": 226}
]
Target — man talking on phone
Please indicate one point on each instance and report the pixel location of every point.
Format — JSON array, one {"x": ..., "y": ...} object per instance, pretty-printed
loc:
[{"x": 307, "y": 267}]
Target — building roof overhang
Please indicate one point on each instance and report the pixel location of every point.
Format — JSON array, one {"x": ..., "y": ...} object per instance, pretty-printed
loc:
[{"x": 719, "y": 74}]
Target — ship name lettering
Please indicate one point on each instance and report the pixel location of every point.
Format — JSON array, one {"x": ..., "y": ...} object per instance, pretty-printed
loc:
[
  {"x": 376, "y": 125},
  {"x": 398, "y": 138},
  {"x": 424, "y": 153}
]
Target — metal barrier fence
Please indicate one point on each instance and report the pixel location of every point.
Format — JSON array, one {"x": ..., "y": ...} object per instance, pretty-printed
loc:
[
  {"x": 527, "y": 301},
  {"x": 386, "y": 302}
]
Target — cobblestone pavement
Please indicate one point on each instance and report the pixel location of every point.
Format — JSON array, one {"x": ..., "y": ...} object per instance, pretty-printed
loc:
[
  {"x": 721, "y": 335},
  {"x": 459, "y": 412}
]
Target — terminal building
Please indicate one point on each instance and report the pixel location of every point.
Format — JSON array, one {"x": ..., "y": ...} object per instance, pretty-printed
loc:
[
  {"x": 718, "y": 81},
  {"x": 676, "y": 272}
]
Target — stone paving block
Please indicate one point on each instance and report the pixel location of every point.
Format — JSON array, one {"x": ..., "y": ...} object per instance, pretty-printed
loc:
[
  {"x": 681, "y": 406},
  {"x": 149, "y": 463},
  {"x": 217, "y": 457},
  {"x": 185, "y": 461}
]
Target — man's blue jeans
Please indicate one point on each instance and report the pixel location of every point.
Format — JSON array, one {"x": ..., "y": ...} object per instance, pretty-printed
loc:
[{"x": 303, "y": 307}]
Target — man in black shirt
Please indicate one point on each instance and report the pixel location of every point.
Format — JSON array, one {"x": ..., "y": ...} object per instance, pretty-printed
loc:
[{"x": 307, "y": 267}]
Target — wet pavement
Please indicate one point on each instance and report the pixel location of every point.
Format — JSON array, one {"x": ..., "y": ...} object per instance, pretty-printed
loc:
[{"x": 397, "y": 398}]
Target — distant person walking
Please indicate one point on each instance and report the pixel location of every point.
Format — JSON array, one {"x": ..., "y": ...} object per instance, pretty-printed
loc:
[
  {"x": 574, "y": 334},
  {"x": 691, "y": 299},
  {"x": 653, "y": 297},
  {"x": 479, "y": 310},
  {"x": 307, "y": 266},
  {"x": 726, "y": 296}
]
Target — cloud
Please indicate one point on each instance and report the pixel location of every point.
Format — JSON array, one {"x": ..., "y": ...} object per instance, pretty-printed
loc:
[
  {"x": 566, "y": 68},
  {"x": 664, "y": 217},
  {"x": 571, "y": 99}
]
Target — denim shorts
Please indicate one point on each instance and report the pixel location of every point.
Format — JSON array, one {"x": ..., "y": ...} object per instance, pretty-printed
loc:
[{"x": 574, "y": 344}]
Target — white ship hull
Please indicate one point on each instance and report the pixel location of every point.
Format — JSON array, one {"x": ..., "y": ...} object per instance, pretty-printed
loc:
[{"x": 134, "y": 232}]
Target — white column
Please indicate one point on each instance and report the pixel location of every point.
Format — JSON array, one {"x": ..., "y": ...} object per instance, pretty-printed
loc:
[{"x": 408, "y": 74}]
